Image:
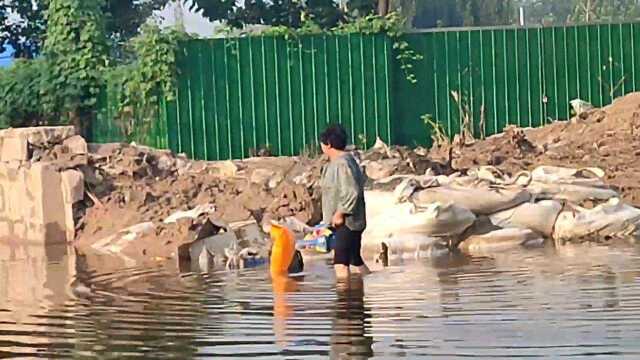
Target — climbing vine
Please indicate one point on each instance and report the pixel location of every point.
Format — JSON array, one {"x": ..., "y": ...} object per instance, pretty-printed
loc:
[
  {"x": 392, "y": 24},
  {"x": 75, "y": 49},
  {"x": 150, "y": 76}
]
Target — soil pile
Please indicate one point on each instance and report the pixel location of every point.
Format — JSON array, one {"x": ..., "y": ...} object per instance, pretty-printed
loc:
[{"x": 606, "y": 138}]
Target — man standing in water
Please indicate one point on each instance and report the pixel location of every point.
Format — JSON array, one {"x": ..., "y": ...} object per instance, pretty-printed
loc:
[{"x": 343, "y": 205}]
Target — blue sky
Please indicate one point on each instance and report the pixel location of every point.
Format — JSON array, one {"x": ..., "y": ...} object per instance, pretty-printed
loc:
[{"x": 5, "y": 57}]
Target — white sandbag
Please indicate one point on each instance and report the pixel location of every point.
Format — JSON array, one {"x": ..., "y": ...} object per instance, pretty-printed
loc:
[
  {"x": 539, "y": 217},
  {"x": 555, "y": 175},
  {"x": 569, "y": 192},
  {"x": 613, "y": 219},
  {"x": 493, "y": 175},
  {"x": 480, "y": 201},
  {"x": 435, "y": 220},
  {"x": 502, "y": 239},
  {"x": 377, "y": 202}
]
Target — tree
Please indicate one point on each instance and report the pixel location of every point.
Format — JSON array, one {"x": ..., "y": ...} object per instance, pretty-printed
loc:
[
  {"x": 439, "y": 13},
  {"x": 75, "y": 49},
  {"x": 587, "y": 11},
  {"x": 551, "y": 12},
  {"x": 25, "y": 33},
  {"x": 289, "y": 13},
  {"x": 486, "y": 12}
]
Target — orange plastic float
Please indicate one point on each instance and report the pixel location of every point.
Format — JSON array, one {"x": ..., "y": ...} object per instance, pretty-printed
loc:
[{"x": 282, "y": 250}]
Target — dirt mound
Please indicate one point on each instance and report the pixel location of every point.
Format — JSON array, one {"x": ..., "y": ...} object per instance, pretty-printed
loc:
[
  {"x": 606, "y": 138},
  {"x": 130, "y": 185}
]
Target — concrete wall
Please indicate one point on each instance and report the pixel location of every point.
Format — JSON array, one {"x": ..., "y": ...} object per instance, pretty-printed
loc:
[{"x": 36, "y": 197}]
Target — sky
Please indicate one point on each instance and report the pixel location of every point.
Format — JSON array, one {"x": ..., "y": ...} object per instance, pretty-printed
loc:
[
  {"x": 5, "y": 57},
  {"x": 193, "y": 22}
]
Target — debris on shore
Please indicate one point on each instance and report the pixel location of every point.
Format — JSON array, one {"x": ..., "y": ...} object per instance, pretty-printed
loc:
[{"x": 139, "y": 202}]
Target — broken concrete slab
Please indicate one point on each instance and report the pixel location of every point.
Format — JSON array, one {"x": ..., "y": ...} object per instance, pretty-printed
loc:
[
  {"x": 42, "y": 136},
  {"x": 32, "y": 205},
  {"x": 76, "y": 145},
  {"x": 224, "y": 169},
  {"x": 380, "y": 169},
  {"x": 115, "y": 243},
  {"x": 190, "y": 214},
  {"x": 14, "y": 148},
  {"x": 261, "y": 176},
  {"x": 72, "y": 186}
]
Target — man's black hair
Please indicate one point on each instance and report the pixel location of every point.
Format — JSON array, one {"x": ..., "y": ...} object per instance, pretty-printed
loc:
[{"x": 336, "y": 136}]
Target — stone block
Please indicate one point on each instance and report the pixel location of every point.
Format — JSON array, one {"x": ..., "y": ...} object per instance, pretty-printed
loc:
[
  {"x": 76, "y": 145},
  {"x": 14, "y": 148},
  {"x": 41, "y": 136},
  {"x": 72, "y": 186}
]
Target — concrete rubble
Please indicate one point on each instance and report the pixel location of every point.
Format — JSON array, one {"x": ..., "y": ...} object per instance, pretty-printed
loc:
[
  {"x": 567, "y": 181},
  {"x": 37, "y": 191}
]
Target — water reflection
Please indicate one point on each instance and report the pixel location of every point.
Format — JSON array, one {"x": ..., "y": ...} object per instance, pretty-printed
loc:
[{"x": 349, "y": 339}]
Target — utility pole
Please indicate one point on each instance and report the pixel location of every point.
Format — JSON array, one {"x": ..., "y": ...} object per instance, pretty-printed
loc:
[{"x": 178, "y": 16}]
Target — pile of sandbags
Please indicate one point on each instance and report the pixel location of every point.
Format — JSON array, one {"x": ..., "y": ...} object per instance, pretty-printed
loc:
[{"x": 485, "y": 210}]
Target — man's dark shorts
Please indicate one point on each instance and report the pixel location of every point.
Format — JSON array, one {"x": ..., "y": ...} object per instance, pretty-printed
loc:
[{"x": 347, "y": 247}]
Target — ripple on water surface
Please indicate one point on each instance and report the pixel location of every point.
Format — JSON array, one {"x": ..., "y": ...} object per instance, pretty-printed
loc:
[{"x": 573, "y": 302}]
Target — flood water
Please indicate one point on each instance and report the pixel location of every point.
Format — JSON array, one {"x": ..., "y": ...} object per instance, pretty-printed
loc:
[{"x": 574, "y": 302}]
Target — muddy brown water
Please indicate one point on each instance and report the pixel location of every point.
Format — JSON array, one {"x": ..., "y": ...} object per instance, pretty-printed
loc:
[{"x": 574, "y": 302}]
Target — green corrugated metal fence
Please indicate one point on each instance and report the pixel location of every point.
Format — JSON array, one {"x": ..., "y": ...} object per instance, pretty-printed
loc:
[
  {"x": 520, "y": 76},
  {"x": 107, "y": 129},
  {"x": 251, "y": 93},
  {"x": 235, "y": 95}
]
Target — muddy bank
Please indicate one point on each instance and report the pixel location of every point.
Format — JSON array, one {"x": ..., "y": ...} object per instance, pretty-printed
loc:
[
  {"x": 145, "y": 203},
  {"x": 606, "y": 138}
]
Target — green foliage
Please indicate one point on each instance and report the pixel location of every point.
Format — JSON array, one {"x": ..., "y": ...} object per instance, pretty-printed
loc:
[
  {"x": 553, "y": 12},
  {"x": 143, "y": 82},
  {"x": 392, "y": 25},
  {"x": 446, "y": 13},
  {"x": 26, "y": 95},
  {"x": 285, "y": 13},
  {"x": 436, "y": 130},
  {"x": 25, "y": 32},
  {"x": 76, "y": 51}
]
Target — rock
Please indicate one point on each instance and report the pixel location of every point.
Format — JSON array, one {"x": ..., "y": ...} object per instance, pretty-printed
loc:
[
  {"x": 223, "y": 169},
  {"x": 41, "y": 136},
  {"x": 104, "y": 150},
  {"x": 261, "y": 176},
  {"x": 72, "y": 186},
  {"x": 76, "y": 145},
  {"x": 275, "y": 181},
  {"x": 13, "y": 148},
  {"x": 47, "y": 135},
  {"x": 190, "y": 214},
  {"x": 580, "y": 106},
  {"x": 116, "y": 243},
  {"x": 166, "y": 162},
  {"x": 380, "y": 169}
]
